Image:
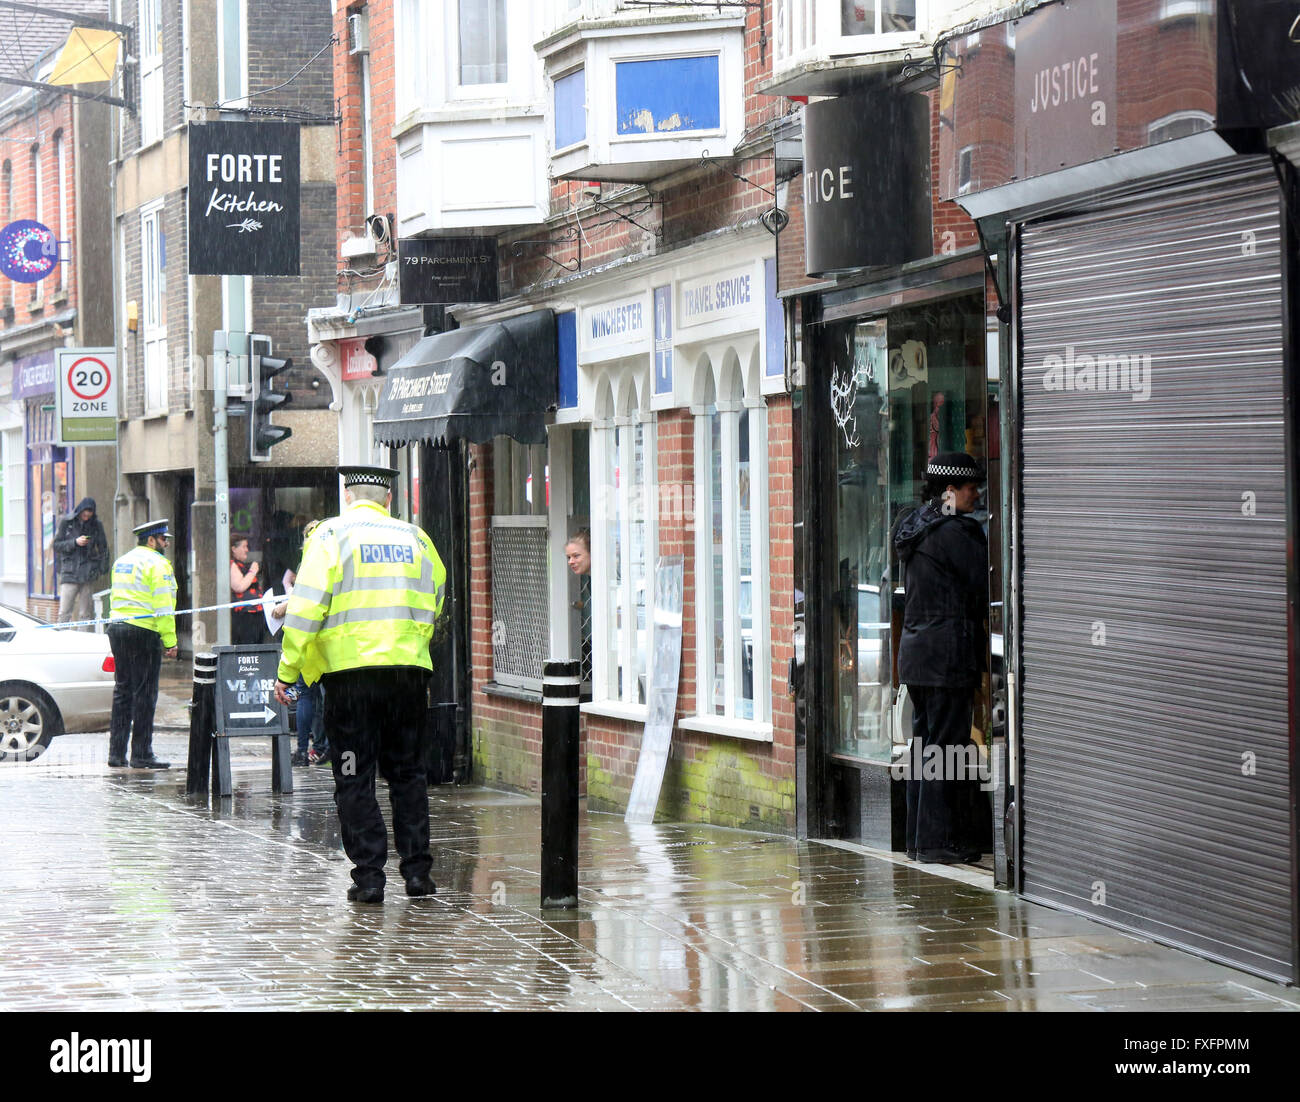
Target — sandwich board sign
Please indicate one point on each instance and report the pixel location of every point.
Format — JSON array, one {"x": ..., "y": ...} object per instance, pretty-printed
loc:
[{"x": 246, "y": 703}]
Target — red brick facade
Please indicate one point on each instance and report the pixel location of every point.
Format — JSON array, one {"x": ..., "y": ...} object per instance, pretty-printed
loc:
[{"x": 31, "y": 139}]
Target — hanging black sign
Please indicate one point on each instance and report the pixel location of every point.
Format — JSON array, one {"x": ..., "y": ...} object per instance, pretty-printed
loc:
[
  {"x": 244, "y": 198},
  {"x": 866, "y": 181},
  {"x": 441, "y": 270}
]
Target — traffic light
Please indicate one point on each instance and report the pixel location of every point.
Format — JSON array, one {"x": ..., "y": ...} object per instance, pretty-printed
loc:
[{"x": 263, "y": 368}]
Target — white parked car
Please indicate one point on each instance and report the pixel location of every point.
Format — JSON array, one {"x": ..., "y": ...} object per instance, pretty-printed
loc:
[{"x": 52, "y": 680}]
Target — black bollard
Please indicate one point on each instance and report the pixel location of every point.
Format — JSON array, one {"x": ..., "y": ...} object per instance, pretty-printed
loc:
[
  {"x": 202, "y": 717},
  {"x": 560, "y": 687}
]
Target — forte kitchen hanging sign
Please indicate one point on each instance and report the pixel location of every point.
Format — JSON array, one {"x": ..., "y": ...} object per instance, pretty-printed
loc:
[{"x": 244, "y": 198}]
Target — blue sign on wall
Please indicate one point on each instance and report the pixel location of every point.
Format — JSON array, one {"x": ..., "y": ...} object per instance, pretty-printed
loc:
[
  {"x": 667, "y": 96},
  {"x": 774, "y": 351},
  {"x": 663, "y": 340},
  {"x": 566, "y": 351},
  {"x": 570, "y": 108},
  {"x": 28, "y": 251}
]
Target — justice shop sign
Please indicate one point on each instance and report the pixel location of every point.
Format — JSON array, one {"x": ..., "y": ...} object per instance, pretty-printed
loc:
[
  {"x": 244, "y": 198},
  {"x": 85, "y": 395}
]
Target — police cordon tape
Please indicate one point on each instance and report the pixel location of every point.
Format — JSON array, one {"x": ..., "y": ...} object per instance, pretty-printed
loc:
[{"x": 153, "y": 615}]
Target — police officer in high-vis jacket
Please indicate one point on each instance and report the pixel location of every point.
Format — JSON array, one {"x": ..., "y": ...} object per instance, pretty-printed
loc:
[
  {"x": 360, "y": 618},
  {"x": 142, "y": 629}
]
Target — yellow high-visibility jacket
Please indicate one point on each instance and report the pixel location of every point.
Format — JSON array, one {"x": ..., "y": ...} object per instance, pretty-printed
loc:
[
  {"x": 370, "y": 589},
  {"x": 144, "y": 592}
]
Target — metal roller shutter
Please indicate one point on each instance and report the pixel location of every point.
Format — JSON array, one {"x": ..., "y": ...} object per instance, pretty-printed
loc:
[{"x": 1156, "y": 765}]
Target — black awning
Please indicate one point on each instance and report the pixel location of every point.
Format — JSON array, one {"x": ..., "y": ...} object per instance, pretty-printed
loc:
[{"x": 473, "y": 384}]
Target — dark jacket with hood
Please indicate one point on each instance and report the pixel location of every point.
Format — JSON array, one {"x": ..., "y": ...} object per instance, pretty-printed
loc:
[
  {"x": 945, "y": 561},
  {"x": 81, "y": 564}
]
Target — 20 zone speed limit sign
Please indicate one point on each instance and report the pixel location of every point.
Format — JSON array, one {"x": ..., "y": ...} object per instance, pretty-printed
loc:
[{"x": 86, "y": 399}]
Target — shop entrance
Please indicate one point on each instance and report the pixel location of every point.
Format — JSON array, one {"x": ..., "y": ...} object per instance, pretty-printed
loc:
[{"x": 885, "y": 392}]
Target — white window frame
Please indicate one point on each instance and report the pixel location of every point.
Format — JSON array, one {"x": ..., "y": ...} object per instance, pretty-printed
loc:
[
  {"x": 1177, "y": 9},
  {"x": 413, "y": 29},
  {"x": 153, "y": 329},
  {"x": 1178, "y": 116},
  {"x": 605, "y": 499},
  {"x": 36, "y": 161},
  {"x": 227, "y": 96},
  {"x": 758, "y": 725},
  {"x": 494, "y": 90},
  {"x": 151, "y": 72},
  {"x": 61, "y": 182}
]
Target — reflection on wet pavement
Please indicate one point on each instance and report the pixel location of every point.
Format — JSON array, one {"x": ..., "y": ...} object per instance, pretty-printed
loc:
[{"x": 126, "y": 894}]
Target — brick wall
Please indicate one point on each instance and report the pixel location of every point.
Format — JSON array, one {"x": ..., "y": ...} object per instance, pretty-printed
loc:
[{"x": 50, "y": 124}]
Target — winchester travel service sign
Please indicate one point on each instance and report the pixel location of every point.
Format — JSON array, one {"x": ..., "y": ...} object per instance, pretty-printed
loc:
[{"x": 244, "y": 198}]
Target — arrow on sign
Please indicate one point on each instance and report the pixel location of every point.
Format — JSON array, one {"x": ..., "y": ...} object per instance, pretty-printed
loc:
[{"x": 265, "y": 715}]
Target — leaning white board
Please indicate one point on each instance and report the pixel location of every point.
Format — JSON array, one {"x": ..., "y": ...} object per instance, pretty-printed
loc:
[{"x": 664, "y": 674}]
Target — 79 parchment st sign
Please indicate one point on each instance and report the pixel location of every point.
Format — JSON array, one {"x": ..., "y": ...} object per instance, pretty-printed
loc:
[
  {"x": 441, "y": 270},
  {"x": 244, "y": 198}
]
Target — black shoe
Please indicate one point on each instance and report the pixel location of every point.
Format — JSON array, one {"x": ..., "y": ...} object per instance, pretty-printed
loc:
[
  {"x": 117, "y": 763},
  {"x": 911, "y": 855},
  {"x": 421, "y": 885},
  {"x": 149, "y": 763},
  {"x": 299, "y": 758},
  {"x": 357, "y": 894}
]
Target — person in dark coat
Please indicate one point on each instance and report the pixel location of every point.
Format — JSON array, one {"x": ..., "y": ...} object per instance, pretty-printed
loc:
[
  {"x": 942, "y": 659},
  {"x": 83, "y": 556}
]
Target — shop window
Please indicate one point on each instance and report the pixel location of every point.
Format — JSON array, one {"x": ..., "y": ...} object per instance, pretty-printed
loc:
[
  {"x": 47, "y": 498},
  {"x": 520, "y": 591},
  {"x": 623, "y": 543},
  {"x": 731, "y": 572}
]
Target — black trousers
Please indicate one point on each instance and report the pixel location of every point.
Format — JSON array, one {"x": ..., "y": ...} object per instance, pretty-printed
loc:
[
  {"x": 947, "y": 812},
  {"x": 137, "y": 658},
  {"x": 375, "y": 717}
]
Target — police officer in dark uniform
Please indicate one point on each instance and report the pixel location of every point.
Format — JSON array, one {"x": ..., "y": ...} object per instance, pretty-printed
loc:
[{"x": 942, "y": 659}]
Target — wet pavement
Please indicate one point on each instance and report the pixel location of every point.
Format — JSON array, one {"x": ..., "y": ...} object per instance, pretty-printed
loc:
[{"x": 127, "y": 895}]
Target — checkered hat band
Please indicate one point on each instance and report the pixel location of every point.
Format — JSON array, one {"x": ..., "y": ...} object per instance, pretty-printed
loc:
[
  {"x": 934, "y": 470},
  {"x": 367, "y": 478}
]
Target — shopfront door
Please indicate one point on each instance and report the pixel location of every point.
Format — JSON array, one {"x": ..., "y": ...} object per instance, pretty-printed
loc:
[{"x": 885, "y": 393}]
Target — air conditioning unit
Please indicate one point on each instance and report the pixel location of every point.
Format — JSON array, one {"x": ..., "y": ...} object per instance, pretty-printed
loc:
[{"x": 358, "y": 33}]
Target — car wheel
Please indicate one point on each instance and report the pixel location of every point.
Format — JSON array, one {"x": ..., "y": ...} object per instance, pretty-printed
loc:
[{"x": 28, "y": 720}]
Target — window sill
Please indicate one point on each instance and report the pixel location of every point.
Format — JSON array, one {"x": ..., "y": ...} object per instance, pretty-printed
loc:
[
  {"x": 511, "y": 692},
  {"x": 614, "y": 709},
  {"x": 732, "y": 728}
]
